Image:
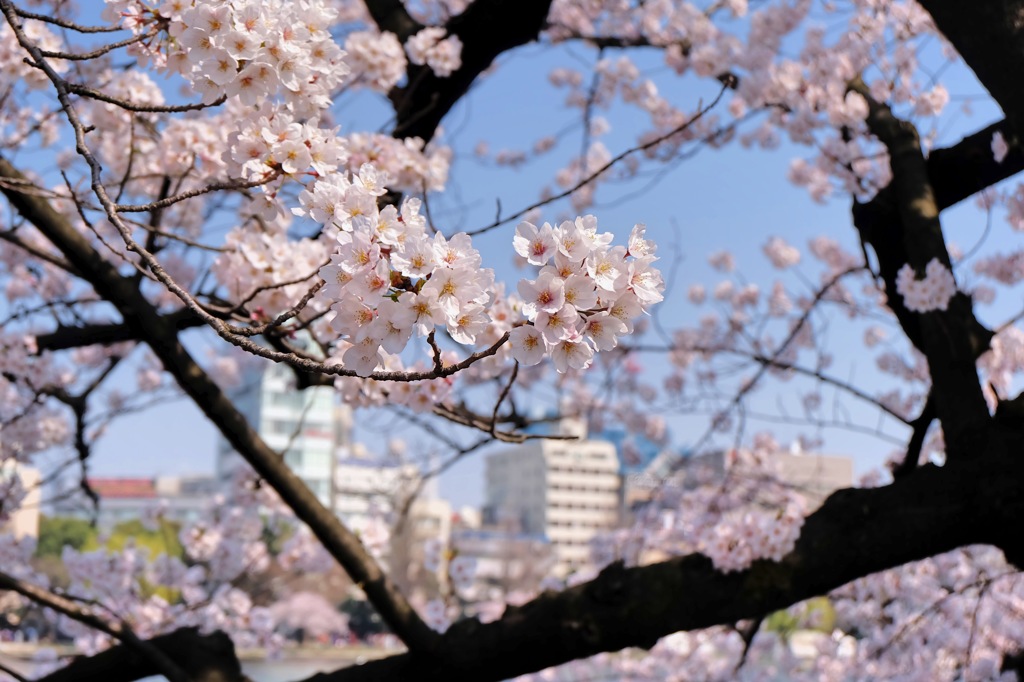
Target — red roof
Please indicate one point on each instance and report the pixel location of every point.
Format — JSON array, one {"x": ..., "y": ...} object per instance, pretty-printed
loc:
[{"x": 123, "y": 487}]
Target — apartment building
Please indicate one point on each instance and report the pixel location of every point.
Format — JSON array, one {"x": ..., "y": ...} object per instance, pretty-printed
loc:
[
  {"x": 308, "y": 426},
  {"x": 564, "y": 490}
]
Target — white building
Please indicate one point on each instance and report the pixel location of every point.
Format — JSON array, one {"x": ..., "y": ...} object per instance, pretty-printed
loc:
[
  {"x": 565, "y": 490},
  {"x": 314, "y": 431},
  {"x": 427, "y": 519},
  {"x": 23, "y": 521},
  {"x": 306, "y": 425},
  {"x": 184, "y": 499},
  {"x": 506, "y": 561},
  {"x": 813, "y": 475},
  {"x": 366, "y": 488}
]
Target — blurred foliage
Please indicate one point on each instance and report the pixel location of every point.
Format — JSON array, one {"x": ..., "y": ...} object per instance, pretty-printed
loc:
[
  {"x": 814, "y": 614},
  {"x": 363, "y": 620},
  {"x": 56, "y": 532},
  {"x": 161, "y": 539},
  {"x": 275, "y": 535}
]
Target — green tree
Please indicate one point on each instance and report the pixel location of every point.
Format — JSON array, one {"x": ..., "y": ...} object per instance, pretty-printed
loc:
[
  {"x": 813, "y": 614},
  {"x": 56, "y": 532},
  {"x": 160, "y": 540}
]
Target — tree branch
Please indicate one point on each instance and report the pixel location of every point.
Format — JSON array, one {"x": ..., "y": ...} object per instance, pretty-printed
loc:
[
  {"x": 205, "y": 658},
  {"x": 951, "y": 339},
  {"x": 855, "y": 533},
  {"x": 920, "y": 430},
  {"x": 391, "y": 15},
  {"x": 162, "y": 337},
  {"x": 993, "y": 52},
  {"x": 486, "y": 28},
  {"x": 156, "y": 659},
  {"x": 966, "y": 168},
  {"x": 107, "y": 333}
]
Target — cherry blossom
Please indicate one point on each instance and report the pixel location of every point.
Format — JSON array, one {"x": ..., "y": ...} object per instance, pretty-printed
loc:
[
  {"x": 430, "y": 46},
  {"x": 931, "y": 293},
  {"x": 258, "y": 205}
]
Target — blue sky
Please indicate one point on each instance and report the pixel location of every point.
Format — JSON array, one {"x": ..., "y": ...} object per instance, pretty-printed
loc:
[{"x": 730, "y": 198}]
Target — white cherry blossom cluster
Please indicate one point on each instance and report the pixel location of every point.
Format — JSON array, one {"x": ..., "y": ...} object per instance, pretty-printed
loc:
[
  {"x": 302, "y": 552},
  {"x": 111, "y": 579},
  {"x": 460, "y": 569},
  {"x": 895, "y": 615},
  {"x": 931, "y": 293},
  {"x": 34, "y": 430},
  {"x": 1002, "y": 363},
  {"x": 454, "y": 574},
  {"x": 14, "y": 70},
  {"x": 1014, "y": 202},
  {"x": 462, "y": 572},
  {"x": 248, "y": 268},
  {"x": 904, "y": 624},
  {"x": 587, "y": 292},
  {"x": 112, "y": 125},
  {"x": 12, "y": 492},
  {"x": 438, "y": 615},
  {"x": 29, "y": 426},
  {"x": 740, "y": 538},
  {"x": 253, "y": 51},
  {"x": 376, "y": 59},
  {"x": 751, "y": 516},
  {"x": 1004, "y": 268},
  {"x": 734, "y": 544},
  {"x": 410, "y": 165},
  {"x": 781, "y": 254},
  {"x": 1000, "y": 148},
  {"x": 226, "y": 543},
  {"x": 277, "y": 141},
  {"x": 597, "y": 157},
  {"x": 430, "y": 46},
  {"x": 785, "y": 333},
  {"x": 389, "y": 279},
  {"x": 802, "y": 93}
]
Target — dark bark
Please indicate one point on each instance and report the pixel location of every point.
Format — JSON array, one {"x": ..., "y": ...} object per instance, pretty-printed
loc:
[
  {"x": 204, "y": 658},
  {"x": 990, "y": 37},
  {"x": 966, "y": 168},
  {"x": 904, "y": 229},
  {"x": 487, "y": 28},
  {"x": 854, "y": 534},
  {"x": 920, "y": 428},
  {"x": 391, "y": 15},
  {"x": 108, "y": 333}
]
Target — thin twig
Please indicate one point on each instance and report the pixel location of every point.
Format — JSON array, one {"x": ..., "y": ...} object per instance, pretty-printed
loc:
[
  {"x": 64, "y": 23},
  {"x": 84, "y": 91},
  {"x": 504, "y": 394},
  {"x": 652, "y": 143}
]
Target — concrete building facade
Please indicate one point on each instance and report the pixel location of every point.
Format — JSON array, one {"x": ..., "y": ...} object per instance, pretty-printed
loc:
[
  {"x": 23, "y": 521},
  {"x": 427, "y": 519},
  {"x": 308, "y": 426},
  {"x": 314, "y": 431},
  {"x": 366, "y": 488},
  {"x": 184, "y": 499},
  {"x": 813, "y": 475},
  {"x": 506, "y": 560},
  {"x": 564, "y": 490}
]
